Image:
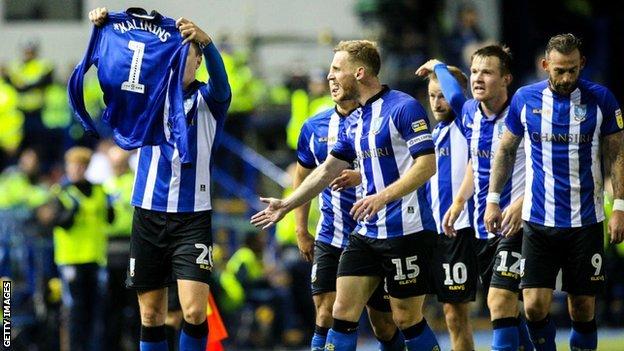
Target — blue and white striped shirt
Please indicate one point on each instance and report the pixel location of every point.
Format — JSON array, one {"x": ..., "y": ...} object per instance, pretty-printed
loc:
[
  {"x": 451, "y": 151},
  {"x": 161, "y": 182},
  {"x": 452, "y": 158},
  {"x": 484, "y": 134},
  {"x": 564, "y": 182},
  {"x": 317, "y": 138},
  {"x": 391, "y": 131}
]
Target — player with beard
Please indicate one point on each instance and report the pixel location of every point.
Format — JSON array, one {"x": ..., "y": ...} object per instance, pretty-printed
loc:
[
  {"x": 564, "y": 121},
  {"x": 391, "y": 142},
  {"x": 318, "y": 136}
]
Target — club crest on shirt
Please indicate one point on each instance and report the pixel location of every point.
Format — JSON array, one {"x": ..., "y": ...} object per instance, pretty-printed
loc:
[
  {"x": 618, "y": 118},
  {"x": 419, "y": 125},
  {"x": 501, "y": 129},
  {"x": 580, "y": 112},
  {"x": 376, "y": 125}
]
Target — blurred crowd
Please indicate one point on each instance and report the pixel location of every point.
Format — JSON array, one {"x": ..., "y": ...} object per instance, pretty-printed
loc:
[{"x": 65, "y": 214}]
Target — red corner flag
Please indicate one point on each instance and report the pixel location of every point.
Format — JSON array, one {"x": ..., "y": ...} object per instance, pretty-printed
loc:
[{"x": 216, "y": 328}]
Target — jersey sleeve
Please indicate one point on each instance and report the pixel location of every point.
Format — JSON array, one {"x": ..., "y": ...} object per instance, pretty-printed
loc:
[
  {"x": 343, "y": 149},
  {"x": 612, "y": 121},
  {"x": 305, "y": 156},
  {"x": 413, "y": 124},
  {"x": 75, "y": 84},
  {"x": 452, "y": 91},
  {"x": 513, "y": 121}
]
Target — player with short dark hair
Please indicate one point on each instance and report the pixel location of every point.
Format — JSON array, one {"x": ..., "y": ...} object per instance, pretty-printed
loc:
[
  {"x": 564, "y": 121},
  {"x": 171, "y": 234},
  {"x": 391, "y": 142},
  {"x": 497, "y": 252}
]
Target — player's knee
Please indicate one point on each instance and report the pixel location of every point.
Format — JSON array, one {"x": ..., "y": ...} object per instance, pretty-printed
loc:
[
  {"x": 384, "y": 330},
  {"x": 581, "y": 308},
  {"x": 502, "y": 303},
  {"x": 405, "y": 320},
  {"x": 344, "y": 311},
  {"x": 152, "y": 317},
  {"x": 456, "y": 320},
  {"x": 324, "y": 317},
  {"x": 195, "y": 314},
  {"x": 535, "y": 310}
]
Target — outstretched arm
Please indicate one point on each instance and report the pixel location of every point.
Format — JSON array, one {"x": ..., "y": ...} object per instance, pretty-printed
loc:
[{"x": 310, "y": 187}]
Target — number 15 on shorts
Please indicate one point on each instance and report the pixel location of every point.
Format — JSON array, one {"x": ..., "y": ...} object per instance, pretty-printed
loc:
[{"x": 406, "y": 269}]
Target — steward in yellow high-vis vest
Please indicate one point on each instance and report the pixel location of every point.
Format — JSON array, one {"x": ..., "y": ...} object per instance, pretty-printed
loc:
[{"x": 81, "y": 224}]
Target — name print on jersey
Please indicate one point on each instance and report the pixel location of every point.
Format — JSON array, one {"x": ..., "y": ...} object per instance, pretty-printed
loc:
[{"x": 134, "y": 24}]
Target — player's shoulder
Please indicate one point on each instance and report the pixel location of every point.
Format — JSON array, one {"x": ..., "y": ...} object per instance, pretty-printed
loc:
[
  {"x": 319, "y": 119},
  {"x": 321, "y": 116},
  {"x": 402, "y": 102},
  {"x": 399, "y": 98},
  {"x": 470, "y": 107},
  {"x": 532, "y": 89},
  {"x": 600, "y": 92}
]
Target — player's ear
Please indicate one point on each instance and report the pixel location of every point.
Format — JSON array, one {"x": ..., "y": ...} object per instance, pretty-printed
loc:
[
  {"x": 359, "y": 73},
  {"x": 545, "y": 64},
  {"x": 583, "y": 60}
]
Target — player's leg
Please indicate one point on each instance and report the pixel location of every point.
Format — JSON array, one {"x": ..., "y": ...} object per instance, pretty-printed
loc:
[
  {"x": 583, "y": 278},
  {"x": 153, "y": 310},
  {"x": 173, "y": 321},
  {"x": 543, "y": 251},
  {"x": 323, "y": 303},
  {"x": 380, "y": 318},
  {"x": 407, "y": 263},
  {"x": 194, "y": 301},
  {"x": 459, "y": 327},
  {"x": 191, "y": 263},
  {"x": 323, "y": 284},
  {"x": 503, "y": 294},
  {"x": 455, "y": 273},
  {"x": 149, "y": 272},
  {"x": 542, "y": 329},
  {"x": 359, "y": 273}
]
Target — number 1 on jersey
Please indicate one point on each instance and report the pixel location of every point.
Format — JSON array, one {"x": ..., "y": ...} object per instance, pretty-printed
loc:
[{"x": 132, "y": 84}]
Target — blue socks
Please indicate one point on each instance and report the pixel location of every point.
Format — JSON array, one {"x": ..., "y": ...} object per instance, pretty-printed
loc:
[
  {"x": 318, "y": 340},
  {"x": 505, "y": 334},
  {"x": 419, "y": 337},
  {"x": 584, "y": 336},
  {"x": 194, "y": 336},
  {"x": 153, "y": 339},
  {"x": 523, "y": 335},
  {"x": 397, "y": 343},
  {"x": 342, "y": 336},
  {"x": 543, "y": 334}
]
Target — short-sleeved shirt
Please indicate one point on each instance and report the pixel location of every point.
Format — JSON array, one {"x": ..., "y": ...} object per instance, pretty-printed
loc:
[
  {"x": 451, "y": 151},
  {"x": 318, "y": 136},
  {"x": 484, "y": 134},
  {"x": 564, "y": 180},
  {"x": 391, "y": 131}
]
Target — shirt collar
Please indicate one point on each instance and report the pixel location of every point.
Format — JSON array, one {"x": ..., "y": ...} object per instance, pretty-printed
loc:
[{"x": 384, "y": 89}]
